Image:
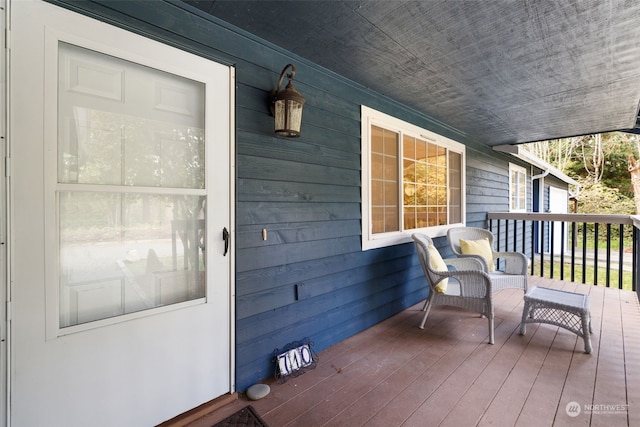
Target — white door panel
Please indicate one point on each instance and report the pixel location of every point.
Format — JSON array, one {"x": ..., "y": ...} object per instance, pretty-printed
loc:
[{"x": 120, "y": 290}]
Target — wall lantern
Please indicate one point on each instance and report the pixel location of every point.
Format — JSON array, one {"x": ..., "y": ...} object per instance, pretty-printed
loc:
[{"x": 286, "y": 106}]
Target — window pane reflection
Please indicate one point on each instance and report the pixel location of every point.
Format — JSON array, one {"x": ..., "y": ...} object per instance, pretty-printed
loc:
[{"x": 122, "y": 253}]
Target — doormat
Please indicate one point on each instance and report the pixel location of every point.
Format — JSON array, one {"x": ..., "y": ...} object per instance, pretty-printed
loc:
[{"x": 245, "y": 417}]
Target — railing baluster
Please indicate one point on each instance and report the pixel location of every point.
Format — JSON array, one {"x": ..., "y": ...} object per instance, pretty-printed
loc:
[
  {"x": 608, "y": 261},
  {"x": 621, "y": 257},
  {"x": 541, "y": 248},
  {"x": 562, "y": 245},
  {"x": 552, "y": 243},
  {"x": 506, "y": 233},
  {"x": 596, "y": 237},
  {"x": 584, "y": 252},
  {"x": 573, "y": 250}
]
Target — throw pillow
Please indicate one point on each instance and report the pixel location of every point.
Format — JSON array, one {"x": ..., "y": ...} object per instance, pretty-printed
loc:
[
  {"x": 437, "y": 263},
  {"x": 480, "y": 247}
]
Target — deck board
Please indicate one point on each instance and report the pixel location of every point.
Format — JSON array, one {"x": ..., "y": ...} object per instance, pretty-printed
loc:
[
  {"x": 394, "y": 374},
  {"x": 631, "y": 332}
]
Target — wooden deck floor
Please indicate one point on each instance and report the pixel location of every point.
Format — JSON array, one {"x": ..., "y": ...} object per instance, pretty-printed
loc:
[{"x": 395, "y": 374}]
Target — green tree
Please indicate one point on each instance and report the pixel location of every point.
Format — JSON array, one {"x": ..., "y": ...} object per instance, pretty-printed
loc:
[
  {"x": 604, "y": 158},
  {"x": 556, "y": 152},
  {"x": 596, "y": 197},
  {"x": 596, "y": 158}
]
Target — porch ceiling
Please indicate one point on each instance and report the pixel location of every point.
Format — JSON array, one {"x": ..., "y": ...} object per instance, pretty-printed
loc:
[{"x": 500, "y": 71}]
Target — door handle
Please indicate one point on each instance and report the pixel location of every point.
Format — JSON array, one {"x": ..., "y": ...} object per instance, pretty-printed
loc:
[{"x": 226, "y": 236}]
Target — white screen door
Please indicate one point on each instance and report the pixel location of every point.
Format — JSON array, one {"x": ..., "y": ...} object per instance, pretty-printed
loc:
[{"x": 120, "y": 192}]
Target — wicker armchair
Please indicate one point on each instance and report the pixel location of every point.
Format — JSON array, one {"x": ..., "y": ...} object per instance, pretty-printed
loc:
[
  {"x": 468, "y": 287},
  {"x": 514, "y": 272}
]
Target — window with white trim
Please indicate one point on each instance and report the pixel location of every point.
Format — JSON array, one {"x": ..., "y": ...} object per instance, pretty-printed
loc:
[
  {"x": 412, "y": 181},
  {"x": 517, "y": 188}
]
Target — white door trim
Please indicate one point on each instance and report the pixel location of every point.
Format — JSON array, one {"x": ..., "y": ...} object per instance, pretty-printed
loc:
[
  {"x": 232, "y": 228},
  {"x": 4, "y": 218}
]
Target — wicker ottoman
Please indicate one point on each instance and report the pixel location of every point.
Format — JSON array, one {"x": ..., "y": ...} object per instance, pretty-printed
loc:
[{"x": 567, "y": 310}]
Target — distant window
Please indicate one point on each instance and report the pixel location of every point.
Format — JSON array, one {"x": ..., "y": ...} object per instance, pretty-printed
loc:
[
  {"x": 517, "y": 188},
  {"x": 412, "y": 180}
]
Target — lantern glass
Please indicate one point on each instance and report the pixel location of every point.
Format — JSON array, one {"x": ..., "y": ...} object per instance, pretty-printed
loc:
[
  {"x": 288, "y": 117},
  {"x": 286, "y": 106}
]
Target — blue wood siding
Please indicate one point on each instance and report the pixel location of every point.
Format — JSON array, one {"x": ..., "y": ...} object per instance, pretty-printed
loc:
[
  {"x": 310, "y": 277},
  {"x": 487, "y": 178}
]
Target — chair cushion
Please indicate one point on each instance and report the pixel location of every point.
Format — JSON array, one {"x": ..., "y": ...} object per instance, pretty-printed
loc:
[
  {"x": 437, "y": 263},
  {"x": 480, "y": 247}
]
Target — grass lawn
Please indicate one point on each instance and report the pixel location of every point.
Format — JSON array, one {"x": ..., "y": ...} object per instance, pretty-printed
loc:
[{"x": 589, "y": 274}]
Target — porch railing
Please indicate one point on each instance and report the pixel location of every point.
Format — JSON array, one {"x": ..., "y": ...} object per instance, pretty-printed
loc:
[{"x": 595, "y": 249}]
